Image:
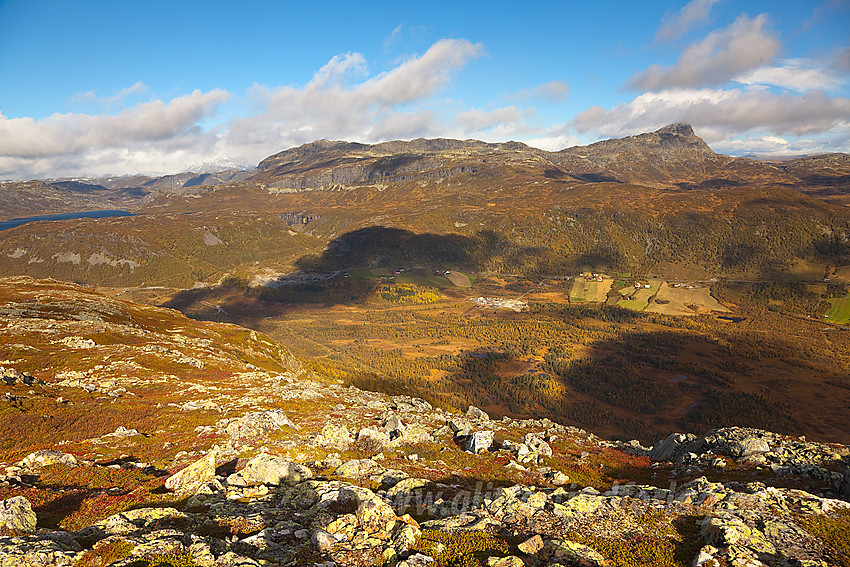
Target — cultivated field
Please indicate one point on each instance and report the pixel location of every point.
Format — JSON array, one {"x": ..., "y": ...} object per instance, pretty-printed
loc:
[
  {"x": 584, "y": 290},
  {"x": 683, "y": 301},
  {"x": 840, "y": 310},
  {"x": 417, "y": 276},
  {"x": 459, "y": 279},
  {"x": 640, "y": 298}
]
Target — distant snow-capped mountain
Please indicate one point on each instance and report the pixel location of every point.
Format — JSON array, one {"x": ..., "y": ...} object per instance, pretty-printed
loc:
[{"x": 219, "y": 163}]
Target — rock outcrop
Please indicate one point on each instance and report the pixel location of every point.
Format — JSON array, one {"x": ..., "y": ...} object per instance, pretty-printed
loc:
[
  {"x": 273, "y": 510},
  {"x": 17, "y": 516}
]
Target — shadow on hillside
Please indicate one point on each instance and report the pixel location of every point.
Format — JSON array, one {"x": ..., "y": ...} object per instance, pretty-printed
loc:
[
  {"x": 626, "y": 383},
  {"x": 350, "y": 268},
  {"x": 639, "y": 384},
  {"x": 383, "y": 247},
  {"x": 591, "y": 177},
  {"x": 325, "y": 278},
  {"x": 711, "y": 184}
]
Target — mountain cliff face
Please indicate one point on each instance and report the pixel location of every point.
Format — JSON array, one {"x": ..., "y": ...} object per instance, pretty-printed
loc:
[
  {"x": 670, "y": 155},
  {"x": 673, "y": 156},
  {"x": 324, "y": 163}
]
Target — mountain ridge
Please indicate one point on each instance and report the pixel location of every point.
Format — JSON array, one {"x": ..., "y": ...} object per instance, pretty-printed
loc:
[{"x": 670, "y": 157}]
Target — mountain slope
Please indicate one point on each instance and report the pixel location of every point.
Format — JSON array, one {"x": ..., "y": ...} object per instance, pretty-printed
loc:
[
  {"x": 660, "y": 203},
  {"x": 134, "y": 436},
  {"x": 32, "y": 198}
]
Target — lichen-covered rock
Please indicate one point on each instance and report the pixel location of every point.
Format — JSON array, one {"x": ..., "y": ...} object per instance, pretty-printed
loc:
[
  {"x": 537, "y": 445},
  {"x": 323, "y": 540},
  {"x": 787, "y": 455},
  {"x": 576, "y": 553},
  {"x": 532, "y": 545},
  {"x": 141, "y": 520},
  {"x": 417, "y": 560},
  {"x": 413, "y": 435},
  {"x": 372, "y": 440},
  {"x": 358, "y": 469},
  {"x": 34, "y": 551},
  {"x": 476, "y": 413},
  {"x": 232, "y": 559},
  {"x": 393, "y": 426},
  {"x": 122, "y": 432},
  {"x": 407, "y": 534},
  {"x": 459, "y": 426},
  {"x": 158, "y": 543},
  {"x": 509, "y": 561},
  {"x": 17, "y": 516},
  {"x": 480, "y": 441},
  {"x": 259, "y": 423},
  {"x": 273, "y": 470},
  {"x": 727, "y": 530},
  {"x": 407, "y": 488},
  {"x": 9, "y": 375},
  {"x": 190, "y": 479},
  {"x": 845, "y": 485},
  {"x": 750, "y": 446},
  {"x": 78, "y": 342},
  {"x": 336, "y": 437},
  {"x": 47, "y": 457},
  {"x": 373, "y": 514},
  {"x": 665, "y": 450},
  {"x": 706, "y": 555}
]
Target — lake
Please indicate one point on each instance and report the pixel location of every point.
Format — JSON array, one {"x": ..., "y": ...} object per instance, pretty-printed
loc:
[{"x": 12, "y": 223}]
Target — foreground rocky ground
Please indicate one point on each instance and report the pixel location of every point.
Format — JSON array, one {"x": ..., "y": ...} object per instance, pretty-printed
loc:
[
  {"x": 433, "y": 487},
  {"x": 137, "y": 437}
]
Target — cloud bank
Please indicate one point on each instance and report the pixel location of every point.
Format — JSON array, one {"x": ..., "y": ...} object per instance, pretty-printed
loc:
[
  {"x": 728, "y": 85},
  {"x": 724, "y": 54},
  {"x": 692, "y": 13},
  {"x": 734, "y": 93},
  {"x": 339, "y": 102}
]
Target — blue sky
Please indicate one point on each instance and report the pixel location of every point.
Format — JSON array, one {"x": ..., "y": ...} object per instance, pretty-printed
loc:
[{"x": 95, "y": 88}]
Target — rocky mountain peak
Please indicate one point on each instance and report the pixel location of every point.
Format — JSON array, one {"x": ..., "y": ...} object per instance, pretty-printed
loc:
[
  {"x": 677, "y": 129},
  {"x": 660, "y": 144}
]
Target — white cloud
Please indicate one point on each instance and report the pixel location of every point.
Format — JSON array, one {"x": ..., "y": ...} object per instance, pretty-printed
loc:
[
  {"x": 150, "y": 137},
  {"x": 118, "y": 98},
  {"x": 341, "y": 102},
  {"x": 824, "y": 10},
  {"x": 394, "y": 36},
  {"x": 674, "y": 26},
  {"x": 758, "y": 145},
  {"x": 722, "y": 55},
  {"x": 554, "y": 91},
  {"x": 841, "y": 62},
  {"x": 773, "y": 146},
  {"x": 337, "y": 70},
  {"x": 372, "y": 110},
  {"x": 719, "y": 115},
  {"x": 796, "y": 74},
  {"x": 62, "y": 134},
  {"x": 553, "y": 141},
  {"x": 344, "y": 101},
  {"x": 479, "y": 120},
  {"x": 421, "y": 77},
  {"x": 403, "y": 125}
]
